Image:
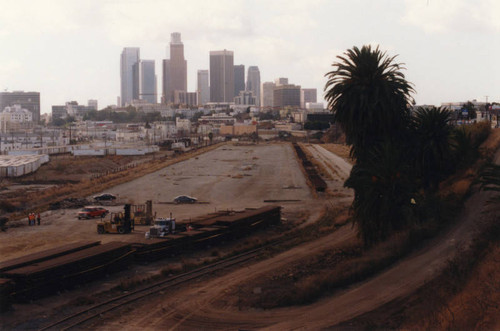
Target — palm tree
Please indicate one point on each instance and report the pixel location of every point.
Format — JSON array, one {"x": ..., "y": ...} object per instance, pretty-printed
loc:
[
  {"x": 370, "y": 100},
  {"x": 383, "y": 195},
  {"x": 432, "y": 132},
  {"x": 369, "y": 97}
]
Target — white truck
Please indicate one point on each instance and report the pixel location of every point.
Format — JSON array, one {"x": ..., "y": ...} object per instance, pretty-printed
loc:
[{"x": 161, "y": 227}]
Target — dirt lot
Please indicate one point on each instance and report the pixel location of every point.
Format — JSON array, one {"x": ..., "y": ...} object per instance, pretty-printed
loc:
[{"x": 230, "y": 177}]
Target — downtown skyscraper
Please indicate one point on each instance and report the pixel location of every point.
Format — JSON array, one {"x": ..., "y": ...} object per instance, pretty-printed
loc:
[
  {"x": 253, "y": 82},
  {"x": 203, "y": 89},
  {"x": 145, "y": 81},
  {"x": 239, "y": 79},
  {"x": 221, "y": 76},
  {"x": 129, "y": 57},
  {"x": 174, "y": 69}
]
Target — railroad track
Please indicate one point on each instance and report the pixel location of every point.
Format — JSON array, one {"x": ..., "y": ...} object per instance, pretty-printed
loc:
[{"x": 97, "y": 310}]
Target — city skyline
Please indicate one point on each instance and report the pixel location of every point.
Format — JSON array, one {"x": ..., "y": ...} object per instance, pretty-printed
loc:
[{"x": 69, "y": 51}]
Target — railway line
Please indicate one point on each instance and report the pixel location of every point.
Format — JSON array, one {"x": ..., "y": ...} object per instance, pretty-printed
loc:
[
  {"x": 88, "y": 314},
  {"x": 45, "y": 273}
]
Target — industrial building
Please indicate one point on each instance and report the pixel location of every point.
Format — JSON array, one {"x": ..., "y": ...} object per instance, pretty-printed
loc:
[{"x": 20, "y": 165}]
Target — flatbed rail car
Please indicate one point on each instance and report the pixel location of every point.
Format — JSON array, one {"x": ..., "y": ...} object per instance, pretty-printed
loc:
[
  {"x": 175, "y": 244},
  {"x": 50, "y": 276},
  {"x": 46, "y": 255}
]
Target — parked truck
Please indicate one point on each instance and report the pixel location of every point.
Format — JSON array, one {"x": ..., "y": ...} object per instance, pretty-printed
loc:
[{"x": 164, "y": 226}]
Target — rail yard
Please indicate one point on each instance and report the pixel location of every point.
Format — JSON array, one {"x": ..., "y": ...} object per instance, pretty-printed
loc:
[{"x": 235, "y": 185}]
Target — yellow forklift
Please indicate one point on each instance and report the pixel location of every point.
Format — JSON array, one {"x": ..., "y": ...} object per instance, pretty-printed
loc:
[
  {"x": 118, "y": 223},
  {"x": 143, "y": 214}
]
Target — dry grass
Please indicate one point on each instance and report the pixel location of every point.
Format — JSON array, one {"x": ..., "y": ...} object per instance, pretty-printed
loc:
[{"x": 306, "y": 281}]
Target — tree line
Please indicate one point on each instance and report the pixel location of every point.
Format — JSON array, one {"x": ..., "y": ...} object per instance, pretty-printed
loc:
[{"x": 401, "y": 155}]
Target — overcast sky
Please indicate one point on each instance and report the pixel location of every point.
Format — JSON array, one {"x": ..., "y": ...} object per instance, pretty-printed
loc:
[{"x": 70, "y": 50}]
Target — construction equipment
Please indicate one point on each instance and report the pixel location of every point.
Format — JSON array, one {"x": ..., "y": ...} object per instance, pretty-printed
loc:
[
  {"x": 143, "y": 214},
  {"x": 118, "y": 223}
]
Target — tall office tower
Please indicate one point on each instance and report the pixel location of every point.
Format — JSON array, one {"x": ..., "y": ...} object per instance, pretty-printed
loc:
[
  {"x": 253, "y": 82},
  {"x": 239, "y": 79},
  {"x": 27, "y": 100},
  {"x": 266, "y": 95},
  {"x": 130, "y": 56},
  {"x": 174, "y": 69},
  {"x": 203, "y": 88},
  {"x": 286, "y": 95},
  {"x": 146, "y": 77},
  {"x": 281, "y": 81},
  {"x": 221, "y": 76},
  {"x": 307, "y": 95}
]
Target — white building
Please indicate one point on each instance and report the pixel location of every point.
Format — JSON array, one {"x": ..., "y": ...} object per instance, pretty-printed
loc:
[
  {"x": 15, "y": 118},
  {"x": 17, "y": 114},
  {"x": 183, "y": 124}
]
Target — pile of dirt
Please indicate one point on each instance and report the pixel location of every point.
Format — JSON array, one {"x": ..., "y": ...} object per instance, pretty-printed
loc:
[{"x": 70, "y": 203}]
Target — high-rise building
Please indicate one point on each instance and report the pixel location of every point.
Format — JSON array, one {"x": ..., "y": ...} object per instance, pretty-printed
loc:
[
  {"x": 286, "y": 96},
  {"x": 130, "y": 56},
  {"x": 253, "y": 82},
  {"x": 221, "y": 76},
  {"x": 27, "y": 100},
  {"x": 239, "y": 79},
  {"x": 266, "y": 95},
  {"x": 203, "y": 88},
  {"x": 281, "y": 81},
  {"x": 307, "y": 95},
  {"x": 144, "y": 74},
  {"x": 174, "y": 69}
]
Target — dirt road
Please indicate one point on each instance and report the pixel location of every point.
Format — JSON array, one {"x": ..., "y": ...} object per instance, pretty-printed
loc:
[{"x": 336, "y": 166}]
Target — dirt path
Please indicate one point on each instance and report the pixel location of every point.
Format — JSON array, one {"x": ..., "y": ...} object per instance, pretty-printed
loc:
[
  {"x": 206, "y": 305},
  {"x": 334, "y": 164}
]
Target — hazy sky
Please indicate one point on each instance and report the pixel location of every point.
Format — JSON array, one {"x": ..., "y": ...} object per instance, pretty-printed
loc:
[{"x": 70, "y": 50}]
